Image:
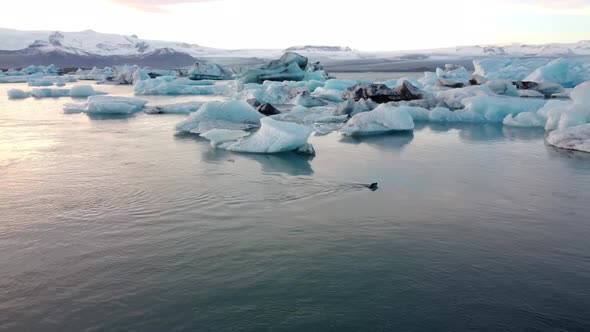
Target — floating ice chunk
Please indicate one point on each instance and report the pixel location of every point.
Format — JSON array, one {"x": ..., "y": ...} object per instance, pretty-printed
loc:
[
  {"x": 161, "y": 86},
  {"x": 50, "y": 93},
  {"x": 502, "y": 87},
  {"x": 495, "y": 109},
  {"x": 234, "y": 114},
  {"x": 218, "y": 136},
  {"x": 341, "y": 85},
  {"x": 530, "y": 94},
  {"x": 107, "y": 105},
  {"x": 18, "y": 94},
  {"x": 526, "y": 120},
  {"x": 180, "y": 108},
  {"x": 290, "y": 67},
  {"x": 45, "y": 81},
  {"x": 97, "y": 74},
  {"x": 351, "y": 108},
  {"x": 60, "y": 81},
  {"x": 186, "y": 81},
  {"x": 574, "y": 138},
  {"x": 581, "y": 94},
  {"x": 417, "y": 113},
  {"x": 310, "y": 115},
  {"x": 441, "y": 114},
  {"x": 453, "y": 74},
  {"x": 272, "y": 137},
  {"x": 332, "y": 95},
  {"x": 83, "y": 91},
  {"x": 208, "y": 71},
  {"x": 453, "y": 97},
  {"x": 19, "y": 78},
  {"x": 509, "y": 69},
  {"x": 564, "y": 114},
  {"x": 385, "y": 118},
  {"x": 304, "y": 98},
  {"x": 566, "y": 72}
]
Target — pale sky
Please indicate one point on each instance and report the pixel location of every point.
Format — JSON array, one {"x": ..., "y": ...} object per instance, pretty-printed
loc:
[{"x": 368, "y": 25}]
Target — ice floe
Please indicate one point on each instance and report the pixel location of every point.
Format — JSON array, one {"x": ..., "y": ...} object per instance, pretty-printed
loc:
[
  {"x": 574, "y": 138},
  {"x": 272, "y": 137},
  {"x": 107, "y": 105},
  {"x": 234, "y": 114},
  {"x": 385, "y": 118}
]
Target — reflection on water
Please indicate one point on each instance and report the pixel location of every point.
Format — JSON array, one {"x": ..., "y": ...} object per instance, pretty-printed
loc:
[
  {"x": 288, "y": 163},
  {"x": 391, "y": 141}
]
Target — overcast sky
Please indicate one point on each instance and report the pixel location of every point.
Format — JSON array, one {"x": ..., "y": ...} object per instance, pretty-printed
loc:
[{"x": 369, "y": 25}]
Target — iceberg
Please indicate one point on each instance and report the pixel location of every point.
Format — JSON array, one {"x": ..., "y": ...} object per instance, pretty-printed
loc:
[
  {"x": 503, "y": 87},
  {"x": 565, "y": 72},
  {"x": 272, "y": 137},
  {"x": 524, "y": 120},
  {"x": 385, "y": 118},
  {"x": 352, "y": 108},
  {"x": 179, "y": 108},
  {"x": 454, "y": 97},
  {"x": 310, "y": 115},
  {"x": 44, "y": 81},
  {"x": 83, "y": 91},
  {"x": 381, "y": 93},
  {"x": 107, "y": 105},
  {"x": 574, "y": 138},
  {"x": 453, "y": 76},
  {"x": 96, "y": 74},
  {"x": 496, "y": 108},
  {"x": 234, "y": 114},
  {"x": 163, "y": 86},
  {"x": 18, "y": 94},
  {"x": 564, "y": 114},
  {"x": 218, "y": 136},
  {"x": 508, "y": 69},
  {"x": 290, "y": 67},
  {"x": 207, "y": 71},
  {"x": 50, "y": 93}
]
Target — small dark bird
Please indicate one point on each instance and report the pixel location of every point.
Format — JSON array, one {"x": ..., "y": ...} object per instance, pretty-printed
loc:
[{"x": 373, "y": 186}]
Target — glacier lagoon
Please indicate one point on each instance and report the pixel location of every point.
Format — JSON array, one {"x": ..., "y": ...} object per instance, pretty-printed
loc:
[{"x": 117, "y": 223}]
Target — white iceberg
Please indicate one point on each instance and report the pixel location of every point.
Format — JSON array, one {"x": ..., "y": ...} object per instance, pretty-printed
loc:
[
  {"x": 385, "y": 118},
  {"x": 50, "y": 93},
  {"x": 179, "y": 108},
  {"x": 272, "y": 137},
  {"x": 18, "y": 94},
  {"x": 218, "y": 136},
  {"x": 107, "y": 105},
  {"x": 454, "y": 97},
  {"x": 564, "y": 114},
  {"x": 566, "y": 72},
  {"x": 164, "y": 86},
  {"x": 234, "y": 114},
  {"x": 44, "y": 81},
  {"x": 574, "y": 138},
  {"x": 508, "y": 69},
  {"x": 82, "y": 91},
  {"x": 311, "y": 115},
  {"x": 524, "y": 120},
  {"x": 496, "y": 108}
]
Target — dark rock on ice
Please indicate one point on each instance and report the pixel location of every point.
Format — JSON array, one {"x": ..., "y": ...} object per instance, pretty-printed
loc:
[
  {"x": 267, "y": 109},
  {"x": 380, "y": 93}
]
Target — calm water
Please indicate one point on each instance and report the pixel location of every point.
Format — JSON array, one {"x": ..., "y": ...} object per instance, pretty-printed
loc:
[{"x": 117, "y": 224}]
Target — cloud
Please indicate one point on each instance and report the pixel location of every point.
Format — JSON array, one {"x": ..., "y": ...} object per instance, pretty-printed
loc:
[{"x": 157, "y": 6}]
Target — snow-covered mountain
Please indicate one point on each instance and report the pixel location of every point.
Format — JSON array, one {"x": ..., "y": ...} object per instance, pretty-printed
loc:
[{"x": 90, "y": 48}]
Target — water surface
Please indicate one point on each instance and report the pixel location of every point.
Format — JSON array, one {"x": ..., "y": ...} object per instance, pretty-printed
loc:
[{"x": 117, "y": 224}]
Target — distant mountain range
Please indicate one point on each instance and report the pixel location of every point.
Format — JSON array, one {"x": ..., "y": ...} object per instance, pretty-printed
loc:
[{"x": 89, "y": 48}]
